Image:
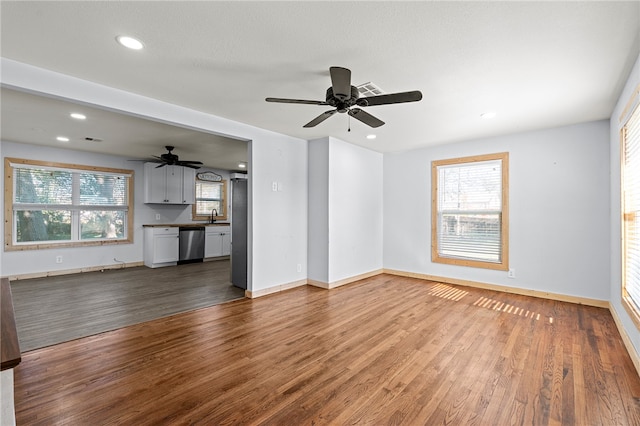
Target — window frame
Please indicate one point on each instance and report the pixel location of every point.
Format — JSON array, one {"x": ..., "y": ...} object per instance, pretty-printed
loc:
[
  {"x": 194, "y": 207},
  {"x": 10, "y": 218},
  {"x": 629, "y": 304},
  {"x": 503, "y": 265}
]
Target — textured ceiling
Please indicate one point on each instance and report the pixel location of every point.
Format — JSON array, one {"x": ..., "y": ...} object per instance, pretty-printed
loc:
[{"x": 536, "y": 64}]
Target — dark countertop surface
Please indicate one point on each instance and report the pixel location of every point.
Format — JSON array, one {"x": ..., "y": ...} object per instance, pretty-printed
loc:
[{"x": 184, "y": 225}]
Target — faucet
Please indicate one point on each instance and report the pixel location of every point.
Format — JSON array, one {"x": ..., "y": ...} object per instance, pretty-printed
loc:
[{"x": 212, "y": 215}]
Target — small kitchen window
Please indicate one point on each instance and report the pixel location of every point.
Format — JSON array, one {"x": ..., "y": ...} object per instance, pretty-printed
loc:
[
  {"x": 210, "y": 200},
  {"x": 68, "y": 205}
]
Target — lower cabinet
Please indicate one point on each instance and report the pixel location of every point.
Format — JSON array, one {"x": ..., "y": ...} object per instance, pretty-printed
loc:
[
  {"x": 217, "y": 241},
  {"x": 161, "y": 246}
]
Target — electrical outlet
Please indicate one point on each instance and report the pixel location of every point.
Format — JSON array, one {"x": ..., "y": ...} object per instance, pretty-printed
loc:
[
  {"x": 299, "y": 268},
  {"x": 58, "y": 259},
  {"x": 511, "y": 273},
  {"x": 274, "y": 186},
  {"x": 157, "y": 216}
]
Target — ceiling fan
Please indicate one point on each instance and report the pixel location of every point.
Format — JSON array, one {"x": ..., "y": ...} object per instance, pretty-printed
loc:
[
  {"x": 345, "y": 98},
  {"x": 170, "y": 159}
]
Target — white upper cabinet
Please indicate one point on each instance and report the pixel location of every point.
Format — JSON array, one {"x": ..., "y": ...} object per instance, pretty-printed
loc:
[{"x": 169, "y": 184}]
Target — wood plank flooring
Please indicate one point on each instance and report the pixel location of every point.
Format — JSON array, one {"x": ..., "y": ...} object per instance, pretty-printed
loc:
[
  {"x": 385, "y": 350},
  {"x": 57, "y": 309}
]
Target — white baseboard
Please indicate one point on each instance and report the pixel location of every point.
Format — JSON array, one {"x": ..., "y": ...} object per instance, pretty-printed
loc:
[
  {"x": 635, "y": 358},
  {"x": 514, "y": 290},
  {"x": 345, "y": 281},
  {"x": 73, "y": 271},
  {"x": 275, "y": 289}
]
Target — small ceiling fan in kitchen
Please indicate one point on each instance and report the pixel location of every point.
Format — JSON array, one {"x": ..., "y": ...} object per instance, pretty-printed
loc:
[
  {"x": 346, "y": 98},
  {"x": 170, "y": 159}
]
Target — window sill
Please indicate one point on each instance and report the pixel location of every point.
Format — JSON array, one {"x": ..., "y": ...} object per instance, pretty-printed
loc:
[{"x": 50, "y": 245}]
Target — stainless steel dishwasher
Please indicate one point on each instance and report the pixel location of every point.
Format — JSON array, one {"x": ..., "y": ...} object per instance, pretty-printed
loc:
[{"x": 191, "y": 244}]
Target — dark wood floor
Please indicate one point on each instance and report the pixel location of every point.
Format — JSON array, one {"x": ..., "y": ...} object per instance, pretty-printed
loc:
[
  {"x": 385, "y": 350},
  {"x": 61, "y": 308}
]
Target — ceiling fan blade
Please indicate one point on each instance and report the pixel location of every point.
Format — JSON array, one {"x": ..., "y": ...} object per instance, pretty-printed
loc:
[
  {"x": 319, "y": 119},
  {"x": 191, "y": 166},
  {"x": 365, "y": 117},
  {"x": 161, "y": 165},
  {"x": 341, "y": 82},
  {"x": 391, "y": 98},
  {"x": 295, "y": 101},
  {"x": 183, "y": 162}
]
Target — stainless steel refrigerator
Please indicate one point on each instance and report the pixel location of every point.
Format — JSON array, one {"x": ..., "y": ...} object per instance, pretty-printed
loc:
[{"x": 239, "y": 221}]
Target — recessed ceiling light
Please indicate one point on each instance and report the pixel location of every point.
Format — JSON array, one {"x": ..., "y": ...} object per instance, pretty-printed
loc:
[
  {"x": 371, "y": 136},
  {"x": 130, "y": 42},
  {"x": 488, "y": 115},
  {"x": 62, "y": 139},
  {"x": 242, "y": 165},
  {"x": 78, "y": 116}
]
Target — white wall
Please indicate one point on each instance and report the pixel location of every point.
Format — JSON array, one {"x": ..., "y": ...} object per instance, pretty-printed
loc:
[
  {"x": 633, "y": 83},
  {"x": 318, "y": 232},
  {"x": 278, "y": 224},
  {"x": 559, "y": 210},
  {"x": 345, "y": 202}
]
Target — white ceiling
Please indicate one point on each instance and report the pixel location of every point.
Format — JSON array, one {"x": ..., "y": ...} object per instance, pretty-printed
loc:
[{"x": 536, "y": 64}]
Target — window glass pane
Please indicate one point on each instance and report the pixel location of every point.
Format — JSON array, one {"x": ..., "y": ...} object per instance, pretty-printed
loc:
[
  {"x": 37, "y": 186},
  {"x": 471, "y": 236},
  {"x": 205, "y": 208},
  {"x": 102, "y": 224},
  {"x": 100, "y": 189},
  {"x": 471, "y": 186},
  {"x": 43, "y": 225},
  {"x": 209, "y": 190}
]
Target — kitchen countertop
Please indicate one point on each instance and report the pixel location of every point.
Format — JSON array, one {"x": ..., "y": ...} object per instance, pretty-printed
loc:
[{"x": 184, "y": 225}]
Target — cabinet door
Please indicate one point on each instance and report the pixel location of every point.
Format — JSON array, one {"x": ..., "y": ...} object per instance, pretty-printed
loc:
[
  {"x": 213, "y": 244},
  {"x": 174, "y": 184},
  {"x": 165, "y": 248},
  {"x": 154, "y": 183},
  {"x": 188, "y": 186},
  {"x": 226, "y": 243}
]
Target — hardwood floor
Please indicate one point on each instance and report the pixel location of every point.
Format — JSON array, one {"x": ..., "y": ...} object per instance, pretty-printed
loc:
[
  {"x": 385, "y": 350},
  {"x": 61, "y": 308}
]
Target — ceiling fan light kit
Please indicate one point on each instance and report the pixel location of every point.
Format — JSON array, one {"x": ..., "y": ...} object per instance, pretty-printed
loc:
[{"x": 346, "y": 98}]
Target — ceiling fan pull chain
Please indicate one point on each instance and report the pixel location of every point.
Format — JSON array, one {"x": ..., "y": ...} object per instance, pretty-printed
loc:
[{"x": 349, "y": 127}]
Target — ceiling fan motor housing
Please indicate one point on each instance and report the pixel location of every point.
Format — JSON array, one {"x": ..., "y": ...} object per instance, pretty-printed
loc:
[{"x": 342, "y": 105}]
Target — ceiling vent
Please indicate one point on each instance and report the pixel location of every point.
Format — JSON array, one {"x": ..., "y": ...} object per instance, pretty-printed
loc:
[
  {"x": 369, "y": 89},
  {"x": 90, "y": 139}
]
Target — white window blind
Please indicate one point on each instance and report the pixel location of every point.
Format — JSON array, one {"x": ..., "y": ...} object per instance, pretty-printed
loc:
[{"x": 631, "y": 209}]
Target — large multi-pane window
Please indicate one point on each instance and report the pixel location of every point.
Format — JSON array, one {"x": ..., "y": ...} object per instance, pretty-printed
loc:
[
  {"x": 470, "y": 211},
  {"x": 631, "y": 214},
  {"x": 210, "y": 200},
  {"x": 62, "y": 204}
]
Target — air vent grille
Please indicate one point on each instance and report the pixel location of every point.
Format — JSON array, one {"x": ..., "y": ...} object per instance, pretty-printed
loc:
[{"x": 369, "y": 89}]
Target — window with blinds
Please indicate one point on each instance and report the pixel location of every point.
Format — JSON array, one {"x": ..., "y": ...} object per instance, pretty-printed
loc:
[
  {"x": 54, "y": 204},
  {"x": 469, "y": 211},
  {"x": 210, "y": 200},
  {"x": 631, "y": 214}
]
